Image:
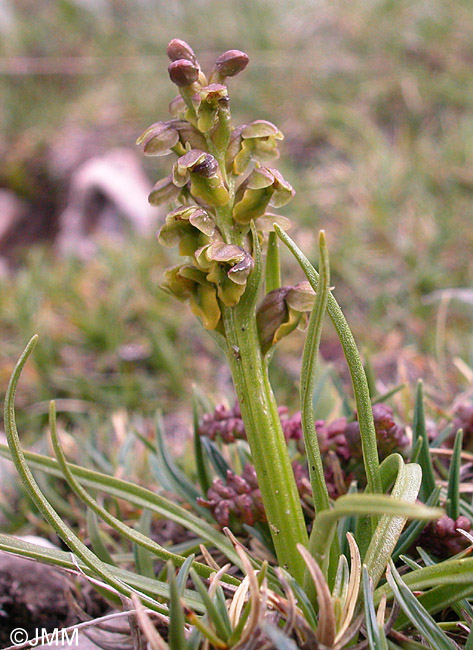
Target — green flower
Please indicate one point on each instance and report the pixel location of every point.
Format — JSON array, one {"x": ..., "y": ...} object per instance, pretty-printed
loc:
[
  {"x": 202, "y": 170},
  {"x": 207, "y": 103},
  {"x": 257, "y": 142},
  {"x": 190, "y": 227},
  {"x": 173, "y": 135},
  {"x": 187, "y": 283},
  {"x": 281, "y": 311},
  {"x": 228, "y": 267},
  {"x": 263, "y": 187}
]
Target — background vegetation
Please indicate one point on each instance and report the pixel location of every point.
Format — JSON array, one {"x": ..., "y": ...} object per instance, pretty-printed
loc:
[{"x": 375, "y": 100}]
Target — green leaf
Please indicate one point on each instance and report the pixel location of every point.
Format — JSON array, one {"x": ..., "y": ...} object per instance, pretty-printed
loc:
[
  {"x": 389, "y": 528},
  {"x": 138, "y": 496},
  {"x": 419, "y": 431},
  {"x": 215, "y": 457},
  {"x": 449, "y": 572},
  {"x": 362, "y": 504},
  {"x": 169, "y": 475},
  {"x": 201, "y": 462},
  {"x": 307, "y": 381},
  {"x": 51, "y": 516},
  {"x": 273, "y": 268},
  {"x": 220, "y": 624},
  {"x": 375, "y": 633},
  {"x": 66, "y": 560},
  {"x": 412, "y": 532},
  {"x": 453, "y": 490},
  {"x": 417, "y": 614},
  {"x": 360, "y": 384},
  {"x": 143, "y": 558},
  {"x": 133, "y": 535},
  {"x": 177, "y": 637},
  {"x": 95, "y": 537}
]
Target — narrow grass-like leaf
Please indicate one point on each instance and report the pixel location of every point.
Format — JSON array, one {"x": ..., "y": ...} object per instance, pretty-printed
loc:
[
  {"x": 169, "y": 475},
  {"x": 177, "y": 637},
  {"x": 96, "y": 540},
  {"x": 419, "y": 431},
  {"x": 64, "y": 559},
  {"x": 383, "y": 397},
  {"x": 133, "y": 535},
  {"x": 449, "y": 572},
  {"x": 376, "y": 636},
  {"x": 175, "y": 479},
  {"x": 64, "y": 532},
  {"x": 137, "y": 495},
  {"x": 412, "y": 532},
  {"x": 303, "y": 601},
  {"x": 213, "y": 614},
  {"x": 453, "y": 489},
  {"x": 201, "y": 461},
  {"x": 350, "y": 602},
  {"x": 389, "y": 527},
  {"x": 143, "y": 558},
  {"x": 215, "y": 457},
  {"x": 389, "y": 470},
  {"x": 273, "y": 267},
  {"x": 361, "y": 504},
  {"x": 417, "y": 614},
  {"x": 307, "y": 381},
  {"x": 438, "y": 600},
  {"x": 183, "y": 574},
  {"x": 346, "y": 524},
  {"x": 415, "y": 450},
  {"x": 360, "y": 385}
]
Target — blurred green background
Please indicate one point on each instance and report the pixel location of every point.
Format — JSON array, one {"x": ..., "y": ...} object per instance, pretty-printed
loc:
[{"x": 375, "y": 98}]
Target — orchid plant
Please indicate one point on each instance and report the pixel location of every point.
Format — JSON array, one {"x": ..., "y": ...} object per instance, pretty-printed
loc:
[{"x": 320, "y": 589}]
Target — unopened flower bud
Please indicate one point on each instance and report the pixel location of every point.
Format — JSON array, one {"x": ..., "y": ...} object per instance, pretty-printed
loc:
[
  {"x": 183, "y": 72},
  {"x": 229, "y": 64},
  {"x": 178, "y": 49}
]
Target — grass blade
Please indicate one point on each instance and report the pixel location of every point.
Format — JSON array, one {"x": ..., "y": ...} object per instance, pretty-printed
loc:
[
  {"x": 417, "y": 614},
  {"x": 412, "y": 532},
  {"x": 64, "y": 532},
  {"x": 129, "y": 533},
  {"x": 390, "y": 527},
  {"x": 137, "y": 495},
  {"x": 307, "y": 383},
  {"x": 453, "y": 489},
  {"x": 419, "y": 431},
  {"x": 273, "y": 267},
  {"x": 360, "y": 384},
  {"x": 201, "y": 462},
  {"x": 177, "y": 637},
  {"x": 375, "y": 633}
]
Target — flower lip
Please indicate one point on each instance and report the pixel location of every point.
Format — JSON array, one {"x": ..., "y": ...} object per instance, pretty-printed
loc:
[{"x": 207, "y": 168}]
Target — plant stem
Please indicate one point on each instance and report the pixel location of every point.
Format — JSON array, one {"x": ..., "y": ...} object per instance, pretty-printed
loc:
[{"x": 266, "y": 438}]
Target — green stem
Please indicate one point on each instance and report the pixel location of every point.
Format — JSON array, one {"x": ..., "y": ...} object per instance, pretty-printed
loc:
[{"x": 265, "y": 437}]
